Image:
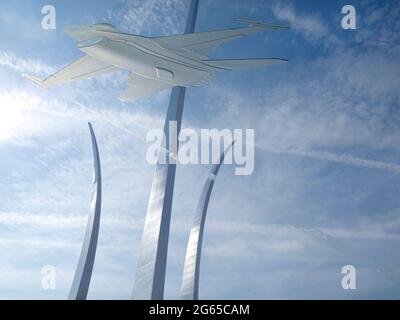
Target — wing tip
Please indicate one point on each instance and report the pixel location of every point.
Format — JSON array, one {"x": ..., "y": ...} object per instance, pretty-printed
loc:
[
  {"x": 35, "y": 80},
  {"x": 282, "y": 60},
  {"x": 254, "y": 23}
]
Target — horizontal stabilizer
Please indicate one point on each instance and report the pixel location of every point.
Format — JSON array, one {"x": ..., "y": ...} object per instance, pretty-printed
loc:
[
  {"x": 237, "y": 64},
  {"x": 139, "y": 87}
]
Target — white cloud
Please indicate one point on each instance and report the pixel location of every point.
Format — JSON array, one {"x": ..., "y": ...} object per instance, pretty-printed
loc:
[
  {"x": 310, "y": 25},
  {"x": 144, "y": 17},
  {"x": 10, "y": 60},
  {"x": 344, "y": 159},
  {"x": 331, "y": 103},
  {"x": 53, "y": 221}
]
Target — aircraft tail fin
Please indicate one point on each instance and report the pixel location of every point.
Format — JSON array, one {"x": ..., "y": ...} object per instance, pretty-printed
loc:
[
  {"x": 253, "y": 23},
  {"x": 237, "y": 64},
  {"x": 35, "y": 80}
]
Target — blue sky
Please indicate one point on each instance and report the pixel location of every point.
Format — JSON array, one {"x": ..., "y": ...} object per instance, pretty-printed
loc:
[{"x": 324, "y": 192}]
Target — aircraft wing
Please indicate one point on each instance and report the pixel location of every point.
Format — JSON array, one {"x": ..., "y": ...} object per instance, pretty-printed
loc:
[
  {"x": 204, "y": 43},
  {"x": 82, "y": 68},
  {"x": 238, "y": 64},
  {"x": 139, "y": 87}
]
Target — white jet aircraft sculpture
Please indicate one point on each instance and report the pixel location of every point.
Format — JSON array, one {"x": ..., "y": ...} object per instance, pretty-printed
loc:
[{"x": 156, "y": 63}]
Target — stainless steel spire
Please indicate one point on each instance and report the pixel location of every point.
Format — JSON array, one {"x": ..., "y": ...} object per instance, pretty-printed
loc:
[
  {"x": 191, "y": 270},
  {"x": 150, "y": 272},
  {"x": 80, "y": 284}
]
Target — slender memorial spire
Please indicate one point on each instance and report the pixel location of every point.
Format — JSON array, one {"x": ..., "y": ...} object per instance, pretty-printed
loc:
[
  {"x": 80, "y": 285},
  {"x": 191, "y": 269},
  {"x": 150, "y": 271}
]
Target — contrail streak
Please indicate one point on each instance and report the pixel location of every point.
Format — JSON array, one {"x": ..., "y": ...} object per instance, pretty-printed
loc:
[
  {"x": 344, "y": 159},
  {"x": 118, "y": 126}
]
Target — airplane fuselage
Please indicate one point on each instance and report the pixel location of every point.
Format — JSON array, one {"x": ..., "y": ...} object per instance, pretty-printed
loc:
[{"x": 147, "y": 58}]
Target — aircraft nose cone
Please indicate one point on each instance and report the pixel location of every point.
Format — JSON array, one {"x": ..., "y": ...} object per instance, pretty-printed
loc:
[{"x": 72, "y": 30}]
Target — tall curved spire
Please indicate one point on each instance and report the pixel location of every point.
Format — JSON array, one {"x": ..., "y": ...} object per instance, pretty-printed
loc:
[
  {"x": 191, "y": 270},
  {"x": 80, "y": 284},
  {"x": 150, "y": 271}
]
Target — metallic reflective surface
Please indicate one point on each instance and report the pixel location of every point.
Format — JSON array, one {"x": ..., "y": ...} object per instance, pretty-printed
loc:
[
  {"x": 191, "y": 270},
  {"x": 156, "y": 63},
  {"x": 150, "y": 272},
  {"x": 80, "y": 284}
]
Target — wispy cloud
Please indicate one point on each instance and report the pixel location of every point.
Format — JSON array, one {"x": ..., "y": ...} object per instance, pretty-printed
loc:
[
  {"x": 310, "y": 25},
  {"x": 10, "y": 60},
  {"x": 59, "y": 221},
  {"x": 145, "y": 17},
  {"x": 290, "y": 220},
  {"x": 344, "y": 159}
]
